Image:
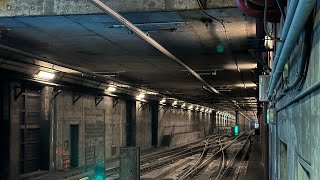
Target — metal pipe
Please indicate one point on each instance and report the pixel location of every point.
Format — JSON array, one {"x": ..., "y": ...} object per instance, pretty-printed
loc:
[
  {"x": 151, "y": 41},
  {"x": 300, "y": 96},
  {"x": 285, "y": 29},
  {"x": 299, "y": 20}
]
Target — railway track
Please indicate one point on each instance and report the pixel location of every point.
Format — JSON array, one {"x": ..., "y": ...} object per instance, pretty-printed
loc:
[{"x": 205, "y": 155}]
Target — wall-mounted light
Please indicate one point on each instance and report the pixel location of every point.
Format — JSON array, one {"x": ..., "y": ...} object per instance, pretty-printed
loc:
[
  {"x": 45, "y": 75},
  {"x": 174, "y": 103},
  {"x": 141, "y": 96},
  {"x": 183, "y": 105},
  {"x": 111, "y": 88}
]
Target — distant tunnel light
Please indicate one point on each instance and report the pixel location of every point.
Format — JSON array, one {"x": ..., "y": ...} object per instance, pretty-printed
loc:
[
  {"x": 45, "y": 75},
  {"x": 111, "y": 89}
]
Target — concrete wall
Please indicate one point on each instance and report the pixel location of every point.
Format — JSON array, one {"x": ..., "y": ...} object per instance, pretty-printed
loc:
[
  {"x": 143, "y": 125},
  {"x": 185, "y": 126},
  {"x": 298, "y": 125}
]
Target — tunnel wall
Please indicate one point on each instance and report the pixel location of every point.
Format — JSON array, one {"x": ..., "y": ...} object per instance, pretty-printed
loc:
[
  {"x": 297, "y": 138},
  {"x": 101, "y": 127},
  {"x": 184, "y": 126}
]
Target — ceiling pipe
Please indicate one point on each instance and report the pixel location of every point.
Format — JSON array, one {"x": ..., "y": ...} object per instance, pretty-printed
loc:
[
  {"x": 299, "y": 20},
  {"x": 273, "y": 15},
  {"x": 151, "y": 41},
  {"x": 290, "y": 13}
]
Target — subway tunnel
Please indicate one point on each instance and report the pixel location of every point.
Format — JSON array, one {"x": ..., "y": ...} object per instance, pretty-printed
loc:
[{"x": 159, "y": 90}]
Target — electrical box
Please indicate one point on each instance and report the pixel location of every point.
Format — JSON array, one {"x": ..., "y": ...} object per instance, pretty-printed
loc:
[{"x": 263, "y": 88}]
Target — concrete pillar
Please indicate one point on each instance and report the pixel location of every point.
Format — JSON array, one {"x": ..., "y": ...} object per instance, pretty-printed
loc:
[
  {"x": 4, "y": 130},
  {"x": 46, "y": 130},
  {"x": 15, "y": 118}
]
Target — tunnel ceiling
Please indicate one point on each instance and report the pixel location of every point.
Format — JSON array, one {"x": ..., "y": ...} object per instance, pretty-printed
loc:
[{"x": 98, "y": 43}]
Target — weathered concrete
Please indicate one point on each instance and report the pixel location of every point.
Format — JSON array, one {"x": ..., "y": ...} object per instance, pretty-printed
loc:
[
  {"x": 184, "y": 126},
  {"x": 15, "y": 118},
  {"x": 298, "y": 125},
  {"x": 61, "y": 7},
  {"x": 101, "y": 127},
  {"x": 143, "y": 125}
]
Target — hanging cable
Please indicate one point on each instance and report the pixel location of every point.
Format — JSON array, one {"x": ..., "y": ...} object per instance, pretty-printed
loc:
[
  {"x": 281, "y": 10},
  {"x": 225, "y": 31},
  {"x": 265, "y": 22}
]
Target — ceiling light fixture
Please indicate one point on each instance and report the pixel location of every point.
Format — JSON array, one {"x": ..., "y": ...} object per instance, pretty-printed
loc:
[
  {"x": 183, "y": 105},
  {"x": 45, "y": 75},
  {"x": 163, "y": 101},
  {"x": 174, "y": 103},
  {"x": 111, "y": 88},
  {"x": 141, "y": 96}
]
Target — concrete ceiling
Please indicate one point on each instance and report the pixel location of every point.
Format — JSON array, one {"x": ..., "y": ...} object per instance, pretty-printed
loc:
[{"x": 98, "y": 43}]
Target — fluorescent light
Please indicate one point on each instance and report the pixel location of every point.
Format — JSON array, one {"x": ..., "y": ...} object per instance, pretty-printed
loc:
[
  {"x": 141, "y": 96},
  {"x": 45, "y": 75},
  {"x": 111, "y": 89}
]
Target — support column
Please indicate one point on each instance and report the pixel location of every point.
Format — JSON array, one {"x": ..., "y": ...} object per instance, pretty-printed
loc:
[{"x": 4, "y": 130}]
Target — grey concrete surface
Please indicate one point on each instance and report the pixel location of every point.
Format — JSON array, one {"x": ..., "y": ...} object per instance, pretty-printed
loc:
[{"x": 61, "y": 7}]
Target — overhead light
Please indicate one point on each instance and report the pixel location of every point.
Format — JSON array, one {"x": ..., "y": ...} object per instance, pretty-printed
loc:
[
  {"x": 141, "y": 96},
  {"x": 202, "y": 109},
  {"x": 183, "y": 105},
  {"x": 163, "y": 101},
  {"x": 45, "y": 75},
  {"x": 197, "y": 108},
  {"x": 152, "y": 93},
  {"x": 174, "y": 103},
  {"x": 111, "y": 89},
  {"x": 190, "y": 107}
]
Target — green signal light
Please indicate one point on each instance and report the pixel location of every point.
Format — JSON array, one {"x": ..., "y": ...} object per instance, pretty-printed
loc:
[
  {"x": 220, "y": 48},
  {"x": 99, "y": 171},
  {"x": 236, "y": 130},
  {"x": 98, "y": 177}
]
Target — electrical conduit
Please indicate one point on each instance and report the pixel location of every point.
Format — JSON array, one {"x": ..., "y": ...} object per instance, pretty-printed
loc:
[{"x": 298, "y": 22}]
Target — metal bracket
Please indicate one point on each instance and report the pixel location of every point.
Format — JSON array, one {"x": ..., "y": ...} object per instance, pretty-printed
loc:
[
  {"x": 160, "y": 108},
  {"x": 56, "y": 94},
  {"x": 17, "y": 93},
  {"x": 99, "y": 85},
  {"x": 165, "y": 110},
  {"x": 143, "y": 105},
  {"x": 98, "y": 100},
  {"x": 115, "y": 102},
  {"x": 76, "y": 98},
  {"x": 258, "y": 59}
]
